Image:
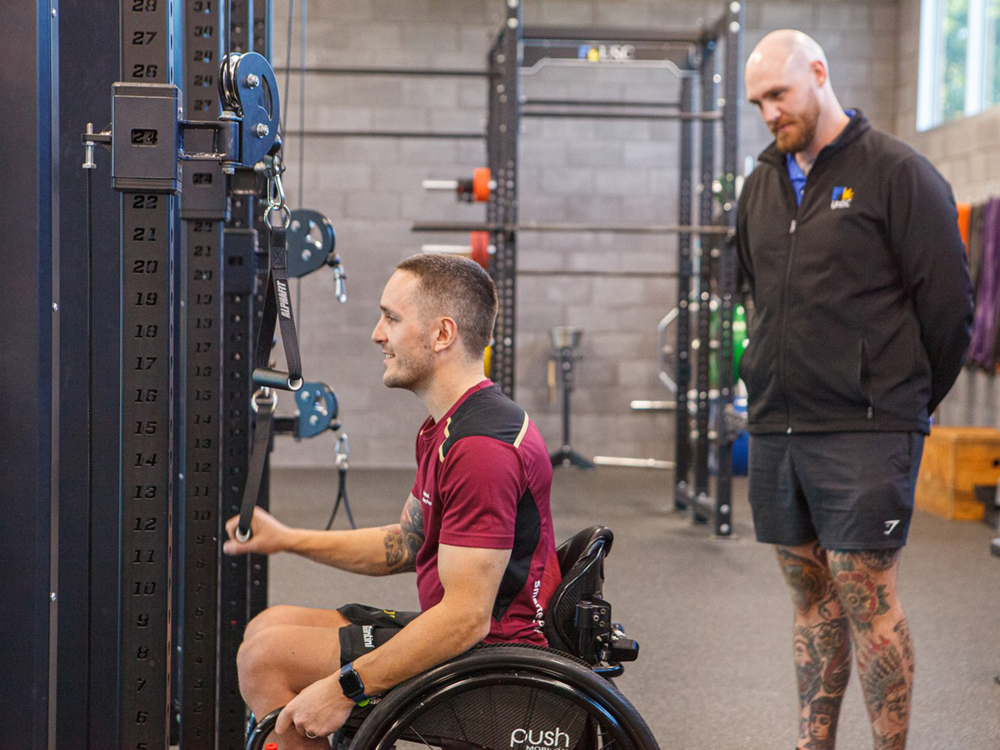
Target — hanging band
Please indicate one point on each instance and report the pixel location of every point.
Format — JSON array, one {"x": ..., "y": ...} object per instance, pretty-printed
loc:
[
  {"x": 277, "y": 311},
  {"x": 263, "y": 403}
]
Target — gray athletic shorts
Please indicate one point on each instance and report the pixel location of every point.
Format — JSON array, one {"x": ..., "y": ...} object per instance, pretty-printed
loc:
[{"x": 849, "y": 490}]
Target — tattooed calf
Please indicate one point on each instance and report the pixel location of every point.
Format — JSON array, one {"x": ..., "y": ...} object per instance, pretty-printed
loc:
[
  {"x": 823, "y": 713},
  {"x": 822, "y": 659},
  {"x": 905, "y": 642},
  {"x": 883, "y": 681},
  {"x": 890, "y": 742}
]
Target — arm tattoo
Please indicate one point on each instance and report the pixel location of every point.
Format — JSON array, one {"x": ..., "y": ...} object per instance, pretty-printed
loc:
[
  {"x": 393, "y": 546},
  {"x": 402, "y": 542}
]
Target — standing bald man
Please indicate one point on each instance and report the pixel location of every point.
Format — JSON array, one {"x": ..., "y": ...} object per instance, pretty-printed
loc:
[{"x": 848, "y": 241}]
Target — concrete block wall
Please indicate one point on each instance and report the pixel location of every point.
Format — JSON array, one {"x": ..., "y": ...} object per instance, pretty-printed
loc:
[
  {"x": 570, "y": 171},
  {"x": 967, "y": 152}
]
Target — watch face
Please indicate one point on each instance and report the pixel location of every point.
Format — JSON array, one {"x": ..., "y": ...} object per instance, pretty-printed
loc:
[{"x": 350, "y": 683}]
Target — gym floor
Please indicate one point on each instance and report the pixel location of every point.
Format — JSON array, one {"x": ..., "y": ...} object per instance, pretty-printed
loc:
[{"x": 712, "y": 616}]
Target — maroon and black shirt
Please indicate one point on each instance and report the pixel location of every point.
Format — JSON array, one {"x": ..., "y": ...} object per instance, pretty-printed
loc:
[{"x": 483, "y": 480}]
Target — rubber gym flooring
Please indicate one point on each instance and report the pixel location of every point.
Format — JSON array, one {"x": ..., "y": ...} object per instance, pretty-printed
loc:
[{"x": 713, "y": 618}]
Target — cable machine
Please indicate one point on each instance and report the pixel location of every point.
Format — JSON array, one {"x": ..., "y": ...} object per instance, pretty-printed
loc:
[
  {"x": 148, "y": 388},
  {"x": 172, "y": 297}
]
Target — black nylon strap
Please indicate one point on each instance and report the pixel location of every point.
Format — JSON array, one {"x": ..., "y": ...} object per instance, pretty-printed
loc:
[
  {"x": 255, "y": 472},
  {"x": 278, "y": 310}
]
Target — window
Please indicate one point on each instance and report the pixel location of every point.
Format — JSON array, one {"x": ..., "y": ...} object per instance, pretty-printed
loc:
[{"x": 959, "y": 59}]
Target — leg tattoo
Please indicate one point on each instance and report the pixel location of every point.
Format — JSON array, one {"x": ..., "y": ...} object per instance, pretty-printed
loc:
[
  {"x": 883, "y": 680},
  {"x": 890, "y": 742},
  {"x": 822, "y": 730},
  {"x": 807, "y": 576},
  {"x": 866, "y": 585},
  {"x": 862, "y": 597},
  {"x": 822, "y": 645},
  {"x": 902, "y": 630},
  {"x": 822, "y": 659}
]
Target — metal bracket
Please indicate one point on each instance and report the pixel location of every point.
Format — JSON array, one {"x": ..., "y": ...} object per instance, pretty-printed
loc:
[
  {"x": 147, "y": 132},
  {"x": 145, "y": 137}
]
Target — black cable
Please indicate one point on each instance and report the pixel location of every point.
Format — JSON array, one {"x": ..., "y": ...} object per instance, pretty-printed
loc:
[
  {"x": 288, "y": 65},
  {"x": 341, "y": 498},
  {"x": 90, "y": 426},
  {"x": 302, "y": 103},
  {"x": 302, "y": 140},
  {"x": 227, "y": 22}
]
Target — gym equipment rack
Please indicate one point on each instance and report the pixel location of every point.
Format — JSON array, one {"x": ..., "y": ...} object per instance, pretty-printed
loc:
[
  {"x": 701, "y": 413},
  {"x": 122, "y": 475}
]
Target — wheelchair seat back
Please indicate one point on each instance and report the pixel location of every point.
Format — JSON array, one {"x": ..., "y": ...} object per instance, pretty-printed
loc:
[{"x": 581, "y": 561}]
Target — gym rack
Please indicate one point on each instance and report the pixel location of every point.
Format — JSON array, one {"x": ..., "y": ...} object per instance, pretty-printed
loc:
[
  {"x": 707, "y": 256},
  {"x": 135, "y": 451}
]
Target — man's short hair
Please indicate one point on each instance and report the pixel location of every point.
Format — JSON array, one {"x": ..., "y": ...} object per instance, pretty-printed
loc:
[{"x": 460, "y": 289}]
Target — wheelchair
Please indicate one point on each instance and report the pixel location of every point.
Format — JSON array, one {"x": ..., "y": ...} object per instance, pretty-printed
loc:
[{"x": 515, "y": 696}]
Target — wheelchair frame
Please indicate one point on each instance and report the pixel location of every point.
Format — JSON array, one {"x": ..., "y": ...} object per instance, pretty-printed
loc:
[{"x": 575, "y": 679}]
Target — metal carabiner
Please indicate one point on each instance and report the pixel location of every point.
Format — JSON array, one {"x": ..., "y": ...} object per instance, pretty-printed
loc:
[
  {"x": 276, "y": 207},
  {"x": 343, "y": 452},
  {"x": 275, "y": 189},
  {"x": 276, "y": 195},
  {"x": 266, "y": 398}
]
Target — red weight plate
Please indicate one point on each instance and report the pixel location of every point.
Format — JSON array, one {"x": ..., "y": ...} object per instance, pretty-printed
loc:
[{"x": 480, "y": 242}]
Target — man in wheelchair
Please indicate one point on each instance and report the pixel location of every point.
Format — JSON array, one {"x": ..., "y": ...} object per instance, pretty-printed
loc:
[{"x": 476, "y": 528}]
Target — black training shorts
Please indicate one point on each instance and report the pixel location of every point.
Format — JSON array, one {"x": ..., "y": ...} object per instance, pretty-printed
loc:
[
  {"x": 849, "y": 490},
  {"x": 370, "y": 627}
]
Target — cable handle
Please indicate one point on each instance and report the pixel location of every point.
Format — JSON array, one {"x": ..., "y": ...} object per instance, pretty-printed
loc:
[
  {"x": 263, "y": 403},
  {"x": 267, "y": 377}
]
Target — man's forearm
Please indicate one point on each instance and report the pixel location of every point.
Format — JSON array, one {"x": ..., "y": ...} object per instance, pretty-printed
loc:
[{"x": 371, "y": 551}]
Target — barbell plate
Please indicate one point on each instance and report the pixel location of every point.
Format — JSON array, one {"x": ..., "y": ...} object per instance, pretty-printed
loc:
[
  {"x": 480, "y": 244},
  {"x": 481, "y": 184}
]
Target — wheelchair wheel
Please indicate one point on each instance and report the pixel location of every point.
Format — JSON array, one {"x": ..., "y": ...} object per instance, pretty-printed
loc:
[{"x": 505, "y": 697}]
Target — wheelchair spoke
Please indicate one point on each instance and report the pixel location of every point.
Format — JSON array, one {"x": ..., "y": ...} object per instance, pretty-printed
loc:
[{"x": 426, "y": 743}]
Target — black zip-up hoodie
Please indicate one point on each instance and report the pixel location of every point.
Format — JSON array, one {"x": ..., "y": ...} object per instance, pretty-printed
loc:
[{"x": 863, "y": 304}]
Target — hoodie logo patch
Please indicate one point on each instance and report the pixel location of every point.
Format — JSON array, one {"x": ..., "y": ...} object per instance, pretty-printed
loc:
[{"x": 841, "y": 198}]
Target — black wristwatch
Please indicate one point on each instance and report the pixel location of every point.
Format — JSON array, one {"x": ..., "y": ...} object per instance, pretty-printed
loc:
[{"x": 351, "y": 684}]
